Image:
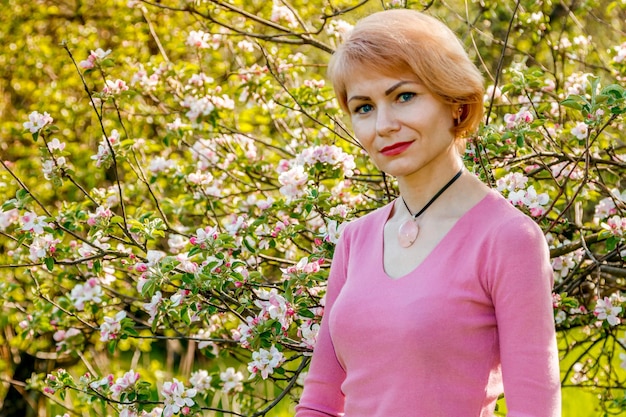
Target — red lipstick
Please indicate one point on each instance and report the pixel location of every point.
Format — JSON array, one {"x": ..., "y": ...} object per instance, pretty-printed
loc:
[{"x": 395, "y": 149}]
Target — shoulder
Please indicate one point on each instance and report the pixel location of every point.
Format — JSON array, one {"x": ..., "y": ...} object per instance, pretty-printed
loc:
[
  {"x": 501, "y": 219},
  {"x": 514, "y": 250}
]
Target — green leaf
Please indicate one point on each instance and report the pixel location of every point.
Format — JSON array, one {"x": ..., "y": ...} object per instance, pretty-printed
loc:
[
  {"x": 611, "y": 243},
  {"x": 21, "y": 194},
  {"x": 195, "y": 250},
  {"x": 572, "y": 103},
  {"x": 305, "y": 312},
  {"x": 49, "y": 261}
]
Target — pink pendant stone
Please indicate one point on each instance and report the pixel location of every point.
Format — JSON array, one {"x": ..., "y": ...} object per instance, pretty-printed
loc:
[{"x": 407, "y": 233}]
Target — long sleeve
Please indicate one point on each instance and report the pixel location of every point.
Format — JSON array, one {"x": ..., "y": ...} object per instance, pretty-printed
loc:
[
  {"x": 322, "y": 394},
  {"x": 520, "y": 280},
  {"x": 474, "y": 319}
]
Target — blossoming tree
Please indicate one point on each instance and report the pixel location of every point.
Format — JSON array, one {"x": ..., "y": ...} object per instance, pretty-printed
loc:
[{"x": 176, "y": 174}]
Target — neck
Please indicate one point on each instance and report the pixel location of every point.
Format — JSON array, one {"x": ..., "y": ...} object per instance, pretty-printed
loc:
[{"x": 418, "y": 190}]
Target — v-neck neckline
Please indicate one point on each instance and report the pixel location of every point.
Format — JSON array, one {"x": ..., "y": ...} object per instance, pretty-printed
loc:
[{"x": 438, "y": 246}]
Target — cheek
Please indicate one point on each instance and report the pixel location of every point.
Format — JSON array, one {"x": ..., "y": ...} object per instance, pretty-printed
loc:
[{"x": 363, "y": 132}]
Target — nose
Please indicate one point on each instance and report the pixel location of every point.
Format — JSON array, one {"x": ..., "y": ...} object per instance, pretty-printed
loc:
[{"x": 386, "y": 121}]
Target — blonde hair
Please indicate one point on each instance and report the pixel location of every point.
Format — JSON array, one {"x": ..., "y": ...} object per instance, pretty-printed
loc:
[{"x": 399, "y": 40}]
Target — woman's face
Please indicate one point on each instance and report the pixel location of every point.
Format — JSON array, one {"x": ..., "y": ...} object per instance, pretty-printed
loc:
[{"x": 401, "y": 125}]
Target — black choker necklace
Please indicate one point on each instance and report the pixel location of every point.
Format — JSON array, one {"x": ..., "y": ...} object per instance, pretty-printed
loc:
[{"x": 408, "y": 230}]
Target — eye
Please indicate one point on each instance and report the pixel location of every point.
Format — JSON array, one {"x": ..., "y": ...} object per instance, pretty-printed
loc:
[
  {"x": 404, "y": 97},
  {"x": 363, "y": 109}
]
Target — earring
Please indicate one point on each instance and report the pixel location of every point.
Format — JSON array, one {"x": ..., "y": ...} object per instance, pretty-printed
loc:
[{"x": 459, "y": 114}]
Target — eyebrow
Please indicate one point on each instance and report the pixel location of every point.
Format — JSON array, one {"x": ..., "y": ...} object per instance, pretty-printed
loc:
[
  {"x": 387, "y": 91},
  {"x": 396, "y": 86}
]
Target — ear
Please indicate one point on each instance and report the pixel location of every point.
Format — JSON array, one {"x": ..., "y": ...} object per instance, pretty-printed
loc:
[{"x": 457, "y": 113}]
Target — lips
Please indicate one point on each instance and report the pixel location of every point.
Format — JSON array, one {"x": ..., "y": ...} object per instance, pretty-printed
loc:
[{"x": 395, "y": 149}]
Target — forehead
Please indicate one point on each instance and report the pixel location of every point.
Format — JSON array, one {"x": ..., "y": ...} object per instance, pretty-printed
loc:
[{"x": 369, "y": 81}]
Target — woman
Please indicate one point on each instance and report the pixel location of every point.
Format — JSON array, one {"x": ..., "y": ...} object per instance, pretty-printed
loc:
[{"x": 441, "y": 300}]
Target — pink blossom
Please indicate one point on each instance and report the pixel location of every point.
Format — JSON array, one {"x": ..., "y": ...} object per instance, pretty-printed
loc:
[
  {"x": 91, "y": 291},
  {"x": 339, "y": 29},
  {"x": 616, "y": 225},
  {"x": 42, "y": 246},
  {"x": 112, "y": 326},
  {"x": 114, "y": 87},
  {"x": 202, "y": 106},
  {"x": 206, "y": 334},
  {"x": 107, "y": 381},
  {"x": 566, "y": 169},
  {"x": 202, "y": 40},
  {"x": 186, "y": 264},
  {"x": 51, "y": 168},
  {"x": 176, "y": 397},
  {"x": 208, "y": 234},
  {"x": 283, "y": 166},
  {"x": 61, "y": 336},
  {"x": 265, "y": 361},
  {"x": 176, "y": 124},
  {"x": 283, "y": 13},
  {"x": 104, "y": 157},
  {"x": 576, "y": 83},
  {"x": 274, "y": 306},
  {"x": 102, "y": 212},
  {"x": 153, "y": 257},
  {"x": 36, "y": 121},
  {"x": 605, "y": 208},
  {"x": 308, "y": 332},
  {"x": 580, "y": 130},
  {"x": 145, "y": 81},
  {"x": 33, "y": 223},
  {"x": 153, "y": 306},
  {"x": 128, "y": 411},
  {"x": 605, "y": 310},
  {"x": 512, "y": 182},
  {"x": 177, "y": 298},
  {"x": 516, "y": 197},
  {"x": 535, "y": 201},
  {"x": 125, "y": 383},
  {"x": 292, "y": 182},
  {"x": 245, "y": 330},
  {"x": 246, "y": 46},
  {"x": 330, "y": 155},
  {"x": 200, "y": 381},
  {"x": 7, "y": 218},
  {"x": 160, "y": 164},
  {"x": 562, "y": 265},
  {"x": 340, "y": 210},
  {"x": 198, "y": 80},
  {"x": 620, "y": 55},
  {"x": 333, "y": 231},
  {"x": 56, "y": 144},
  {"x": 514, "y": 120},
  {"x": 314, "y": 84},
  {"x": 200, "y": 178},
  {"x": 236, "y": 223},
  {"x": 232, "y": 380},
  {"x": 93, "y": 58}
]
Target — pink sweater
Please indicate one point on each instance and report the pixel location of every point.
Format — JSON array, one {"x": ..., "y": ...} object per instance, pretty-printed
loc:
[{"x": 474, "y": 319}]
